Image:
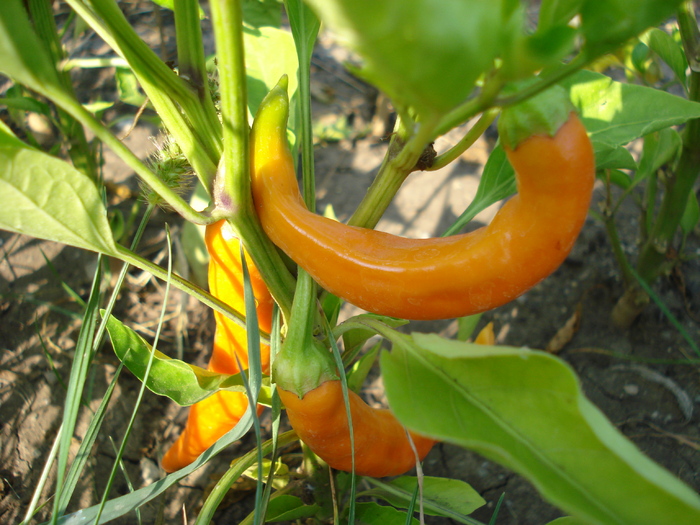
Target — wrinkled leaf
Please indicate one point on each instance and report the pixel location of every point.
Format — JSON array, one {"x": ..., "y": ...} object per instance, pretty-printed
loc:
[
  {"x": 525, "y": 410},
  {"x": 183, "y": 383},
  {"x": 450, "y": 498},
  {"x": 47, "y": 198},
  {"x": 616, "y": 113}
]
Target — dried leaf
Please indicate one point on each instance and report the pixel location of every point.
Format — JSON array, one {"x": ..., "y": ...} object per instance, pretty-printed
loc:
[{"x": 565, "y": 333}]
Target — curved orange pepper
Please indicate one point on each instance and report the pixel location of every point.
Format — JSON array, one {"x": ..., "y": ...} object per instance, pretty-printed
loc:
[
  {"x": 212, "y": 417},
  {"x": 436, "y": 278}
]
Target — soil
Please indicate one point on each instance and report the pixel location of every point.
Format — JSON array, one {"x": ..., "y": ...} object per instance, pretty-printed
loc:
[{"x": 653, "y": 403}]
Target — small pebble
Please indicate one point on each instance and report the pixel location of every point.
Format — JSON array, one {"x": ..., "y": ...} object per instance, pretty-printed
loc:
[{"x": 631, "y": 390}]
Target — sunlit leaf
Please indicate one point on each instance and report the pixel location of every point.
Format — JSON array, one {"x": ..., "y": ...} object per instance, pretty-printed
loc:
[
  {"x": 525, "y": 410},
  {"x": 617, "y": 113},
  {"x": 422, "y": 54},
  {"x": 183, "y": 383},
  {"x": 47, "y": 198}
]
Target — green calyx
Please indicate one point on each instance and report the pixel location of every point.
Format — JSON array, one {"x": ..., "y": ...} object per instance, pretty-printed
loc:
[
  {"x": 303, "y": 369},
  {"x": 542, "y": 114}
]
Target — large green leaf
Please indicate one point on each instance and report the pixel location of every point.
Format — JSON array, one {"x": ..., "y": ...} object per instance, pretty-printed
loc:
[
  {"x": 182, "y": 382},
  {"x": 45, "y": 197},
  {"x": 617, "y": 113},
  {"x": 422, "y": 53},
  {"x": 525, "y": 410},
  {"x": 608, "y": 25}
]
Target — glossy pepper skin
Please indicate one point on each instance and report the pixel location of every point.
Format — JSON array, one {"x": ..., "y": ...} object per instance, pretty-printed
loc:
[
  {"x": 381, "y": 446},
  {"x": 436, "y": 278},
  {"x": 212, "y": 417}
]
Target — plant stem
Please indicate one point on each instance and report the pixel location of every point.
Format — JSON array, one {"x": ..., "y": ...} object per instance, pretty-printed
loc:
[
  {"x": 237, "y": 469},
  {"x": 405, "y": 148},
  {"x": 197, "y": 136},
  {"x": 186, "y": 286},
  {"x": 192, "y": 63},
  {"x": 232, "y": 194},
  {"x": 467, "y": 141},
  {"x": 678, "y": 186}
]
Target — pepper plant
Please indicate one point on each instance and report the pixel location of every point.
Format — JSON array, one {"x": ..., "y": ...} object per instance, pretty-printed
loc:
[{"x": 442, "y": 65}]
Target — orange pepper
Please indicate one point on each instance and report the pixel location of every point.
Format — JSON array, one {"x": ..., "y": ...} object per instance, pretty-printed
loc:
[
  {"x": 436, "y": 278},
  {"x": 212, "y": 417}
]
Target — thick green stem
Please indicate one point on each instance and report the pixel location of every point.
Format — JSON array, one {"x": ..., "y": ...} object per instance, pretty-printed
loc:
[
  {"x": 679, "y": 185},
  {"x": 405, "y": 149},
  {"x": 165, "y": 90},
  {"x": 232, "y": 195},
  {"x": 192, "y": 63}
]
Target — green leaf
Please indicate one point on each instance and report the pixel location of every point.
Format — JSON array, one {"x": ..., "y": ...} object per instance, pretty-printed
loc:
[
  {"x": 356, "y": 337},
  {"x": 357, "y": 375},
  {"x": 183, "y": 383},
  {"x": 620, "y": 179},
  {"x": 691, "y": 214},
  {"x": 289, "y": 508},
  {"x": 609, "y": 156},
  {"x": 259, "y": 13},
  {"x": 659, "y": 149},
  {"x": 608, "y": 25},
  {"x": 24, "y": 58},
  {"x": 170, "y": 4},
  {"x": 668, "y": 50},
  {"x": 423, "y": 54},
  {"x": 450, "y": 498},
  {"x": 525, "y": 410},
  {"x": 568, "y": 520},
  {"x": 375, "y": 514},
  {"x": 45, "y": 197},
  {"x": 26, "y": 104},
  {"x": 123, "y": 505},
  {"x": 617, "y": 113},
  {"x": 557, "y": 12},
  {"x": 269, "y": 54},
  {"x": 128, "y": 87},
  {"x": 497, "y": 182}
]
